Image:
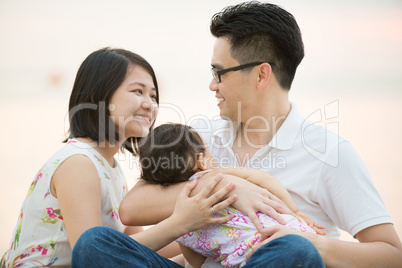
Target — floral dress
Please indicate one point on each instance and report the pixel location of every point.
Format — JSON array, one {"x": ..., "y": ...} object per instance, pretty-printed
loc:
[
  {"x": 229, "y": 243},
  {"x": 40, "y": 237}
]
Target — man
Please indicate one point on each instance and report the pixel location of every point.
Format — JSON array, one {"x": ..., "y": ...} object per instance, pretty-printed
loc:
[
  {"x": 256, "y": 53},
  {"x": 332, "y": 187}
]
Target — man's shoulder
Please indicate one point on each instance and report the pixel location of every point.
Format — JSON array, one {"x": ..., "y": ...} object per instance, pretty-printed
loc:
[
  {"x": 313, "y": 132},
  {"x": 321, "y": 142}
]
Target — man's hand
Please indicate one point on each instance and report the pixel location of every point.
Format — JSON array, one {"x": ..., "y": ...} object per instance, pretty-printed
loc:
[
  {"x": 253, "y": 199},
  {"x": 318, "y": 228},
  {"x": 269, "y": 234}
]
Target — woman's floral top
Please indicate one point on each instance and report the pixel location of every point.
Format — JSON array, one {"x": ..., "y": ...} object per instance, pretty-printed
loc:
[
  {"x": 40, "y": 237},
  {"x": 230, "y": 242}
]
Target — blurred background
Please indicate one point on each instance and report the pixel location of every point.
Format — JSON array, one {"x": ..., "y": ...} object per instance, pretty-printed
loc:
[{"x": 353, "y": 58}]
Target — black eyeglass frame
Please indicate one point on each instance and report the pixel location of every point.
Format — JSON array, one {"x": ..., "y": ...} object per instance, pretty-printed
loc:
[{"x": 216, "y": 74}]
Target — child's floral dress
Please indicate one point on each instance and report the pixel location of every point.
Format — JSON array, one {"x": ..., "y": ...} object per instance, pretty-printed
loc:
[{"x": 229, "y": 243}]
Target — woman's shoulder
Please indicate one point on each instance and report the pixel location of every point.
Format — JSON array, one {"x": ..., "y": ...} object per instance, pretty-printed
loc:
[
  {"x": 78, "y": 161},
  {"x": 72, "y": 147},
  {"x": 69, "y": 159}
]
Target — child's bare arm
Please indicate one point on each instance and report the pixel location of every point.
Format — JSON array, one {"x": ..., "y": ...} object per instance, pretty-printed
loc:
[{"x": 194, "y": 258}]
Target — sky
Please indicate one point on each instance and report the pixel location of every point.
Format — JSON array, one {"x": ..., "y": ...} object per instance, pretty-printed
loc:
[
  {"x": 351, "y": 46},
  {"x": 353, "y": 57}
]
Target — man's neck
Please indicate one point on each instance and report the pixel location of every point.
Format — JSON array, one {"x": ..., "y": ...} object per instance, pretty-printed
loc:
[
  {"x": 258, "y": 132},
  {"x": 260, "y": 129}
]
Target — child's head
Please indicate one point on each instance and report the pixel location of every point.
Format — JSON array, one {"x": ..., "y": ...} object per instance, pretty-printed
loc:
[
  {"x": 172, "y": 153},
  {"x": 97, "y": 79}
]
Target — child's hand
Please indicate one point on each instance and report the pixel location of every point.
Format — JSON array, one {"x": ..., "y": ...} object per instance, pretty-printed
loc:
[
  {"x": 317, "y": 227},
  {"x": 193, "y": 213}
]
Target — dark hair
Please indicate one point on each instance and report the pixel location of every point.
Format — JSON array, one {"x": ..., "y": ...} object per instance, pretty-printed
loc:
[
  {"x": 98, "y": 77},
  {"x": 262, "y": 32},
  {"x": 169, "y": 154}
]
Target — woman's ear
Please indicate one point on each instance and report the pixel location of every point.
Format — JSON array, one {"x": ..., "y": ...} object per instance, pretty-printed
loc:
[{"x": 201, "y": 162}]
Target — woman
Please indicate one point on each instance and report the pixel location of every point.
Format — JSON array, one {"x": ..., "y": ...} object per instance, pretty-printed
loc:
[{"x": 114, "y": 102}]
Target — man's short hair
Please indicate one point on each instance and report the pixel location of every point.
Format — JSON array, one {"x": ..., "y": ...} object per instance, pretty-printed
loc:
[{"x": 262, "y": 32}]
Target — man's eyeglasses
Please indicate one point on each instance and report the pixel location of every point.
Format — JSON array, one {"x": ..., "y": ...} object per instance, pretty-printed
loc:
[{"x": 217, "y": 73}]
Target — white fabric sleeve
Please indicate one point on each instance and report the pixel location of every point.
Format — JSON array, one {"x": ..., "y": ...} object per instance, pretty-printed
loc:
[{"x": 347, "y": 193}]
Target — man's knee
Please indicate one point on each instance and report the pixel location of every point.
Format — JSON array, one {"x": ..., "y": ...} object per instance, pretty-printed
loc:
[
  {"x": 287, "y": 251},
  {"x": 301, "y": 249},
  {"x": 296, "y": 243}
]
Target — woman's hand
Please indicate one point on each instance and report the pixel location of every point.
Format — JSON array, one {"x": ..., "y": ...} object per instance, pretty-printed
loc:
[
  {"x": 190, "y": 213},
  {"x": 193, "y": 213}
]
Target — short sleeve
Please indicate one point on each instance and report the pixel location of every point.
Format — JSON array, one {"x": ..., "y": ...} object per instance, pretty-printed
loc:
[{"x": 347, "y": 193}]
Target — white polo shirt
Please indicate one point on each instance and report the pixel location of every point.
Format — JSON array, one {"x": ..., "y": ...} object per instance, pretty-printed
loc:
[{"x": 322, "y": 171}]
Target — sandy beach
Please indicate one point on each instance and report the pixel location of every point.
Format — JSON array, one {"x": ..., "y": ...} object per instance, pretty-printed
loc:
[{"x": 380, "y": 148}]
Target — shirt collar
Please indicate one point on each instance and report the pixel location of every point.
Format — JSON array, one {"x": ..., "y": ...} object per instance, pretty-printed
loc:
[
  {"x": 225, "y": 131},
  {"x": 284, "y": 138},
  {"x": 287, "y": 133}
]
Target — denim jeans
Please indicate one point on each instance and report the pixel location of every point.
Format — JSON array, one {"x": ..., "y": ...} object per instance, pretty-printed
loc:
[{"x": 105, "y": 247}]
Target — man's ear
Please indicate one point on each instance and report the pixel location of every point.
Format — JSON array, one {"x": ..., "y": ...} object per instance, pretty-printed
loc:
[
  {"x": 201, "y": 162},
  {"x": 264, "y": 75}
]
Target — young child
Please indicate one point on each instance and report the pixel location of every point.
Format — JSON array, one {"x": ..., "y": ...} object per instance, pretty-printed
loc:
[
  {"x": 82, "y": 185},
  {"x": 173, "y": 153}
]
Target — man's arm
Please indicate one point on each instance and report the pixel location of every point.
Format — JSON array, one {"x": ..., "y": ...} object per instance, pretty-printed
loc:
[
  {"x": 379, "y": 246},
  {"x": 271, "y": 184},
  {"x": 349, "y": 198}
]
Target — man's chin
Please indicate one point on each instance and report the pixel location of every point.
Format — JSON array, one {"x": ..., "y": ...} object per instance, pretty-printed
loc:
[{"x": 227, "y": 116}]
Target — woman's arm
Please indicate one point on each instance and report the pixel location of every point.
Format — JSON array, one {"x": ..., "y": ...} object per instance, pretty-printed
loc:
[
  {"x": 195, "y": 259},
  {"x": 148, "y": 204},
  {"x": 77, "y": 188},
  {"x": 133, "y": 230},
  {"x": 141, "y": 207},
  {"x": 190, "y": 213},
  {"x": 170, "y": 251}
]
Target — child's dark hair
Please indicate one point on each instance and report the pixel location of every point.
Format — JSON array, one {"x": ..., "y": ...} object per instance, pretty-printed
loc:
[
  {"x": 98, "y": 77},
  {"x": 169, "y": 154}
]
